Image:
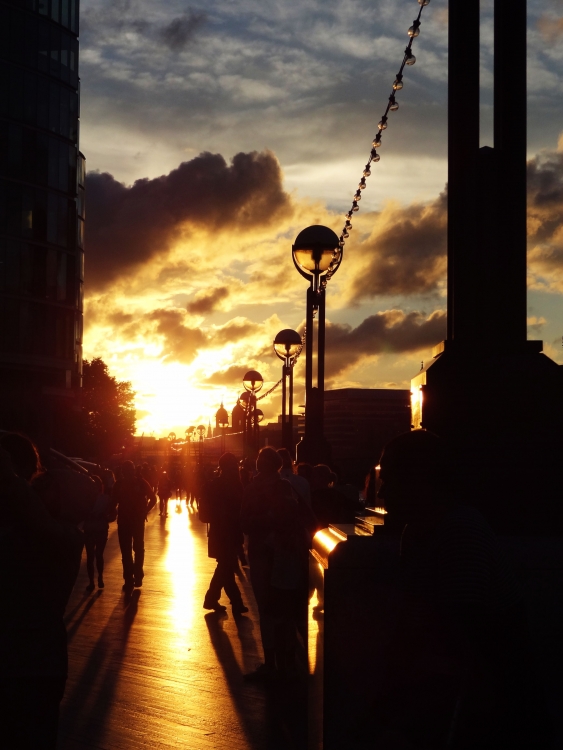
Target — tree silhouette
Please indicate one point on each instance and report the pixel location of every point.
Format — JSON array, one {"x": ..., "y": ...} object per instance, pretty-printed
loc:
[{"x": 108, "y": 411}]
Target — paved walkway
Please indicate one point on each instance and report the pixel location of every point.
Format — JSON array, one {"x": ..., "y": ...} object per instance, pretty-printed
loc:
[{"x": 154, "y": 670}]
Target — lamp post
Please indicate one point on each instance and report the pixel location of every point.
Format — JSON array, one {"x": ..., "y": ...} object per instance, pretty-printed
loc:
[
  {"x": 317, "y": 254},
  {"x": 201, "y": 432},
  {"x": 287, "y": 345},
  {"x": 222, "y": 421},
  {"x": 252, "y": 383}
]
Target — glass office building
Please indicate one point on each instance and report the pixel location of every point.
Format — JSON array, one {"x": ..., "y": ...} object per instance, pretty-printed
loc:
[{"x": 41, "y": 214}]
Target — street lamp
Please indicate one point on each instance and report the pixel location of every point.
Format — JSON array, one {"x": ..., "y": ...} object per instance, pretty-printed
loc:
[
  {"x": 287, "y": 345},
  {"x": 317, "y": 255},
  {"x": 222, "y": 421},
  {"x": 252, "y": 383},
  {"x": 201, "y": 432}
]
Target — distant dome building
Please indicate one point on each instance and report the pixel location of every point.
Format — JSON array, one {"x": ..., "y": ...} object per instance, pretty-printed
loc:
[
  {"x": 221, "y": 417},
  {"x": 238, "y": 416}
]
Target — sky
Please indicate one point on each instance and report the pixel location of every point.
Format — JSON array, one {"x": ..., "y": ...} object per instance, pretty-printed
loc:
[{"x": 215, "y": 133}]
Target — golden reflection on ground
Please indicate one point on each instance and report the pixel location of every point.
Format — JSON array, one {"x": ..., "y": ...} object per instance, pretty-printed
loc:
[
  {"x": 312, "y": 635},
  {"x": 180, "y": 563}
]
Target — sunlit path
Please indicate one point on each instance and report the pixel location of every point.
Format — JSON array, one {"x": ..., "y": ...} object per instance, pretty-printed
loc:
[{"x": 155, "y": 670}]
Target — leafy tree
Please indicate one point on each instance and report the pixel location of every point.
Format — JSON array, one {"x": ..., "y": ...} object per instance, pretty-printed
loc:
[{"x": 108, "y": 411}]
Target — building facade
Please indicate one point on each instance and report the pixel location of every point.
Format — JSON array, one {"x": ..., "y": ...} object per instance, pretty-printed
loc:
[{"x": 41, "y": 215}]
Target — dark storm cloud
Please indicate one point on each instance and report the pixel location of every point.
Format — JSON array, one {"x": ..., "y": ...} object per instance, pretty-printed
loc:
[
  {"x": 206, "y": 302},
  {"x": 386, "y": 332},
  {"x": 127, "y": 226},
  {"x": 106, "y": 19},
  {"x": 181, "y": 30},
  {"x": 406, "y": 254},
  {"x": 232, "y": 376}
]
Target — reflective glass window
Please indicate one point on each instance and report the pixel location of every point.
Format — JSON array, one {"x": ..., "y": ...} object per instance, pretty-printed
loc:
[
  {"x": 65, "y": 13},
  {"x": 62, "y": 221},
  {"x": 4, "y": 86},
  {"x": 55, "y": 10},
  {"x": 74, "y": 16},
  {"x": 42, "y": 102},
  {"x": 63, "y": 167},
  {"x": 61, "y": 277},
  {"x": 54, "y": 108},
  {"x": 40, "y": 216},
  {"x": 27, "y": 212},
  {"x": 43, "y": 46},
  {"x": 51, "y": 273},
  {"x": 30, "y": 98},
  {"x": 71, "y": 169},
  {"x": 80, "y": 234},
  {"x": 55, "y": 46},
  {"x": 17, "y": 26},
  {"x": 53, "y": 164},
  {"x": 30, "y": 54},
  {"x": 4, "y": 27},
  {"x": 42, "y": 157},
  {"x": 71, "y": 281},
  {"x": 65, "y": 112},
  {"x": 16, "y": 94}
]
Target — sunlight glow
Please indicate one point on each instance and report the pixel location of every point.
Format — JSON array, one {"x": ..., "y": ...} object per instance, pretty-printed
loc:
[{"x": 180, "y": 563}]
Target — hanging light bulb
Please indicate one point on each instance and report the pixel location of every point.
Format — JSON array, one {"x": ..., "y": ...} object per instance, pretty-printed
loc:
[
  {"x": 424, "y": 3},
  {"x": 348, "y": 224},
  {"x": 355, "y": 206},
  {"x": 414, "y": 30},
  {"x": 377, "y": 141},
  {"x": 398, "y": 83},
  {"x": 411, "y": 59},
  {"x": 362, "y": 183},
  {"x": 375, "y": 156},
  {"x": 357, "y": 195},
  {"x": 382, "y": 124},
  {"x": 345, "y": 234},
  {"x": 367, "y": 171},
  {"x": 394, "y": 105}
]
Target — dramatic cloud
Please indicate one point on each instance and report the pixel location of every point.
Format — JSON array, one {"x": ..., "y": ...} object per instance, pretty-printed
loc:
[
  {"x": 128, "y": 226},
  {"x": 545, "y": 221},
  {"x": 206, "y": 302},
  {"x": 406, "y": 252},
  {"x": 389, "y": 331},
  {"x": 181, "y": 30}
]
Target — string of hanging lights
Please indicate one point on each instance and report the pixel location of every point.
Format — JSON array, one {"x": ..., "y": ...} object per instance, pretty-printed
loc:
[{"x": 374, "y": 156}]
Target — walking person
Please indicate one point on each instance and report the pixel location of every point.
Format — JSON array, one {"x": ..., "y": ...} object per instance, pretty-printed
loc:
[
  {"x": 40, "y": 557},
  {"x": 223, "y": 499},
  {"x": 133, "y": 498},
  {"x": 164, "y": 492},
  {"x": 96, "y": 527}
]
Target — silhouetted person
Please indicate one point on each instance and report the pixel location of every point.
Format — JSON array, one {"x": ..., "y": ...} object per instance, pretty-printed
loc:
[
  {"x": 299, "y": 483},
  {"x": 329, "y": 505},
  {"x": 223, "y": 499},
  {"x": 459, "y": 667},
  {"x": 133, "y": 498},
  {"x": 39, "y": 559},
  {"x": 164, "y": 493},
  {"x": 96, "y": 527},
  {"x": 274, "y": 565}
]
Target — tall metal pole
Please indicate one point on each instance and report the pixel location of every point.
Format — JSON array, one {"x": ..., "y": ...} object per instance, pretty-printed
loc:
[
  {"x": 291, "y": 445},
  {"x": 284, "y": 403}
]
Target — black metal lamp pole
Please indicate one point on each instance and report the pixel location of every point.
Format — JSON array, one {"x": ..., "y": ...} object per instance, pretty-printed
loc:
[
  {"x": 252, "y": 383},
  {"x": 287, "y": 345},
  {"x": 317, "y": 254}
]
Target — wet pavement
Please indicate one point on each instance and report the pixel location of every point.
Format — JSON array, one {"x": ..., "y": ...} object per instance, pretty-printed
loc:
[{"x": 154, "y": 669}]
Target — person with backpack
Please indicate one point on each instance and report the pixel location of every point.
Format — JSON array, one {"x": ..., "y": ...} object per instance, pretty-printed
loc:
[{"x": 133, "y": 498}]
